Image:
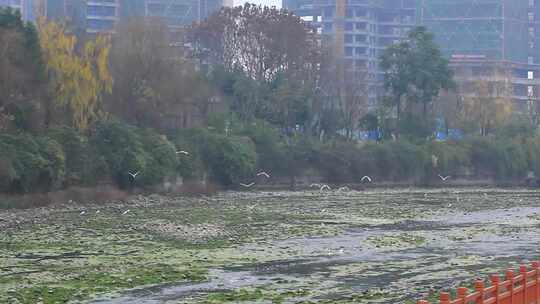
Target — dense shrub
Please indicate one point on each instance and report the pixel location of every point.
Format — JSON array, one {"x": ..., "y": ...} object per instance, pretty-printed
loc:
[
  {"x": 335, "y": 161},
  {"x": 84, "y": 165},
  {"x": 30, "y": 163},
  {"x": 127, "y": 149},
  {"x": 450, "y": 157},
  {"x": 271, "y": 150},
  {"x": 63, "y": 157},
  {"x": 161, "y": 159},
  {"x": 503, "y": 158},
  {"x": 228, "y": 159}
]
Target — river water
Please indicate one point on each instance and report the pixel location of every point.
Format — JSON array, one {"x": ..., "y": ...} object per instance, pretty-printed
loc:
[{"x": 385, "y": 246}]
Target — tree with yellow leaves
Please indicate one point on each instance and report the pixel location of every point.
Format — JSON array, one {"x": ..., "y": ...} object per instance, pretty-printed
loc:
[
  {"x": 77, "y": 79},
  {"x": 489, "y": 105}
]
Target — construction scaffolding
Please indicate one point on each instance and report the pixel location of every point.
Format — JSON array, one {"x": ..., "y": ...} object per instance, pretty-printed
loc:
[
  {"x": 487, "y": 29},
  {"x": 176, "y": 13}
]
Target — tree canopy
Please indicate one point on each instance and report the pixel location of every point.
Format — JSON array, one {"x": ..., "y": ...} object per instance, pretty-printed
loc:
[{"x": 415, "y": 73}]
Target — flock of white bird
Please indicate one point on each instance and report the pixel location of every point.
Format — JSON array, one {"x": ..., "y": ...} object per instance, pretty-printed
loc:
[{"x": 322, "y": 187}]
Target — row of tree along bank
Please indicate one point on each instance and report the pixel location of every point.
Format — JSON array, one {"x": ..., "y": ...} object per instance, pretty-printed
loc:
[
  {"x": 114, "y": 152},
  {"x": 250, "y": 89}
]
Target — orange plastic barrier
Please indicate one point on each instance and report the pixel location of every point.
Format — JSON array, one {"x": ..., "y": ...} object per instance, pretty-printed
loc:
[{"x": 522, "y": 288}]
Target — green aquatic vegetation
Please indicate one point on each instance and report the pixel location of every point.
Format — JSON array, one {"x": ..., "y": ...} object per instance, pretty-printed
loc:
[
  {"x": 251, "y": 295},
  {"x": 293, "y": 237},
  {"x": 397, "y": 241}
]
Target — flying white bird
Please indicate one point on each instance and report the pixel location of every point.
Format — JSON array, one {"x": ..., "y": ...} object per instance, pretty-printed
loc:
[
  {"x": 134, "y": 175},
  {"x": 263, "y": 174},
  {"x": 444, "y": 178},
  {"x": 366, "y": 178},
  {"x": 325, "y": 187},
  {"x": 125, "y": 212},
  {"x": 182, "y": 152},
  {"x": 247, "y": 185}
]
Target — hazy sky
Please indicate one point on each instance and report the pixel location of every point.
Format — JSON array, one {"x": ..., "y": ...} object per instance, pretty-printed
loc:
[{"x": 276, "y": 3}]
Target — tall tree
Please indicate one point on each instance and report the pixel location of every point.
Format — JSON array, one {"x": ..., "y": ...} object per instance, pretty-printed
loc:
[
  {"x": 155, "y": 85},
  {"x": 262, "y": 42},
  {"x": 78, "y": 80},
  {"x": 415, "y": 72},
  {"x": 490, "y": 106},
  {"x": 272, "y": 58},
  {"x": 21, "y": 74}
]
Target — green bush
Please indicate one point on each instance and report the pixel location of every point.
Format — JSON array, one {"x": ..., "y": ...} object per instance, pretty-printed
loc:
[
  {"x": 128, "y": 149},
  {"x": 161, "y": 159},
  {"x": 30, "y": 164},
  {"x": 228, "y": 159},
  {"x": 451, "y": 157},
  {"x": 271, "y": 150},
  {"x": 188, "y": 166},
  {"x": 335, "y": 161},
  {"x": 503, "y": 158},
  {"x": 84, "y": 165}
]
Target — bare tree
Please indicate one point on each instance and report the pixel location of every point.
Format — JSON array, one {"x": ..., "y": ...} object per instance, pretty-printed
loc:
[
  {"x": 154, "y": 84},
  {"x": 262, "y": 42}
]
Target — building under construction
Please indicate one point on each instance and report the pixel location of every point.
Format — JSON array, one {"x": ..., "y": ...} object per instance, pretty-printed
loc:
[
  {"x": 480, "y": 37},
  {"x": 176, "y": 13},
  {"x": 96, "y": 16},
  {"x": 486, "y": 38},
  {"x": 357, "y": 31}
]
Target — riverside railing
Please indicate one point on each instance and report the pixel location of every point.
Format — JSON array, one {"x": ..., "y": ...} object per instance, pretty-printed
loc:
[{"x": 522, "y": 287}]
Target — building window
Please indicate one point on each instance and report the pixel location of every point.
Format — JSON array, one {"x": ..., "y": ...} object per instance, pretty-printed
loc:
[
  {"x": 360, "y": 51},
  {"x": 360, "y": 38},
  {"x": 530, "y": 60},
  {"x": 348, "y": 26},
  {"x": 328, "y": 27},
  {"x": 348, "y": 51},
  {"x": 530, "y": 75},
  {"x": 348, "y": 38},
  {"x": 531, "y": 3}
]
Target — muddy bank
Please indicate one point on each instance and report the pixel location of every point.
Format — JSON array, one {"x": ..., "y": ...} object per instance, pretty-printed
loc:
[{"x": 387, "y": 246}]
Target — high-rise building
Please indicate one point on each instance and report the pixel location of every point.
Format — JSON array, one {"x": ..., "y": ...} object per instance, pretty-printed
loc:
[
  {"x": 358, "y": 31},
  {"x": 176, "y": 13},
  {"x": 90, "y": 16},
  {"x": 489, "y": 39},
  {"x": 101, "y": 15}
]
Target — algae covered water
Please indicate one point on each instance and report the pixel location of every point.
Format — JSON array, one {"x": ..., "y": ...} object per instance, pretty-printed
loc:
[{"x": 387, "y": 246}]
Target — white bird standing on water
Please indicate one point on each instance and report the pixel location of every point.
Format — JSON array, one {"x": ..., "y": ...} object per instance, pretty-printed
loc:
[
  {"x": 82, "y": 212},
  {"x": 125, "y": 212},
  {"x": 262, "y": 173},
  {"x": 97, "y": 211},
  {"x": 315, "y": 185},
  {"x": 344, "y": 189},
  {"x": 444, "y": 178},
  {"x": 134, "y": 175},
  {"x": 366, "y": 178},
  {"x": 182, "y": 152},
  {"x": 247, "y": 185}
]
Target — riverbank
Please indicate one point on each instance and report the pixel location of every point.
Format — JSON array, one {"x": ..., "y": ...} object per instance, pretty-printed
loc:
[{"x": 384, "y": 245}]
